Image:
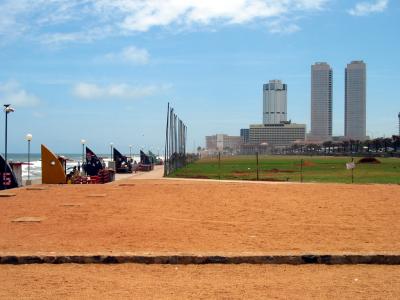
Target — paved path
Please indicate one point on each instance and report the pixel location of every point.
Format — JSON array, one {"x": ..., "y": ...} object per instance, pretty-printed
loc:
[{"x": 157, "y": 173}]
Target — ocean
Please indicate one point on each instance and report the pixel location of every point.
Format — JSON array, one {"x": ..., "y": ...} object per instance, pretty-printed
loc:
[{"x": 36, "y": 164}]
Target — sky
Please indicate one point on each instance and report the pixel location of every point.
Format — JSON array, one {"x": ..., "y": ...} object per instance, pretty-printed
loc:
[{"x": 104, "y": 70}]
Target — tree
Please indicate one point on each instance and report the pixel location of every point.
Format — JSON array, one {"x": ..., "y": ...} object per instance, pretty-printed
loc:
[
  {"x": 345, "y": 145},
  {"x": 327, "y": 144},
  {"x": 387, "y": 142},
  {"x": 367, "y": 143},
  {"x": 396, "y": 142},
  {"x": 377, "y": 143}
]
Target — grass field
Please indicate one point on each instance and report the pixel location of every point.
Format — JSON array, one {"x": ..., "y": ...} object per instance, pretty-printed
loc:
[{"x": 288, "y": 168}]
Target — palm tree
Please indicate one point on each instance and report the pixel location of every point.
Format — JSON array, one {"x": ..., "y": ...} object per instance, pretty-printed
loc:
[
  {"x": 377, "y": 144},
  {"x": 396, "y": 142},
  {"x": 345, "y": 145},
  {"x": 387, "y": 142},
  {"x": 327, "y": 144},
  {"x": 367, "y": 143}
]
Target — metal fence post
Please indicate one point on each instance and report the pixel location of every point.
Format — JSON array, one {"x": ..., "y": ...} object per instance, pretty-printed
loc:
[
  {"x": 301, "y": 170},
  {"x": 352, "y": 171},
  {"x": 219, "y": 165},
  {"x": 257, "y": 166}
]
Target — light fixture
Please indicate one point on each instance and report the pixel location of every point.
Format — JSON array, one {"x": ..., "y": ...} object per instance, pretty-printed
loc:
[
  {"x": 7, "y": 109},
  {"x": 83, "y": 155},
  {"x": 28, "y": 137}
]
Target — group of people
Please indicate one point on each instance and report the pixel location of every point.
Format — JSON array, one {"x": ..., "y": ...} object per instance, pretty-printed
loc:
[{"x": 73, "y": 174}]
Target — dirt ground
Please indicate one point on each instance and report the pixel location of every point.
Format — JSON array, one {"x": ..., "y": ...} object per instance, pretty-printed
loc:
[
  {"x": 157, "y": 216},
  {"x": 131, "y": 281}
]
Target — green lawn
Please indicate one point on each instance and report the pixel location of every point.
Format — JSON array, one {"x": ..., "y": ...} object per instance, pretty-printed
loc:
[{"x": 287, "y": 168}]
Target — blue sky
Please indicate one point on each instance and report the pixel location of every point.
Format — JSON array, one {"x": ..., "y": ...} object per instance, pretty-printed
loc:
[{"x": 104, "y": 70}]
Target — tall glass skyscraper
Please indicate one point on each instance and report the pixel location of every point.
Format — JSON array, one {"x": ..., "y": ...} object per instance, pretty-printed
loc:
[
  {"x": 274, "y": 102},
  {"x": 321, "y": 101},
  {"x": 355, "y": 101}
]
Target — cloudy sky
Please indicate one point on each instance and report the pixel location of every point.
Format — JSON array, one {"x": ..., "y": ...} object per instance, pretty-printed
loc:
[{"x": 104, "y": 70}]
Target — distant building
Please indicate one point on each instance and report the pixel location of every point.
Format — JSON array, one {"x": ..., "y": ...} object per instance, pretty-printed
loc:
[
  {"x": 274, "y": 102},
  {"x": 249, "y": 149},
  {"x": 223, "y": 142},
  {"x": 277, "y": 135},
  {"x": 399, "y": 123},
  {"x": 355, "y": 101},
  {"x": 321, "y": 102},
  {"x": 245, "y": 134}
]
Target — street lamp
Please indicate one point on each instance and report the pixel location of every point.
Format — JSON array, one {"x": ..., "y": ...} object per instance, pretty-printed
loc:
[
  {"x": 7, "y": 109},
  {"x": 83, "y": 154},
  {"x": 111, "y": 145},
  {"x": 130, "y": 151},
  {"x": 28, "y": 137}
]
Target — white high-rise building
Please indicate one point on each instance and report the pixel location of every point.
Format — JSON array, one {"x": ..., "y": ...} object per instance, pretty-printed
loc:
[
  {"x": 274, "y": 102},
  {"x": 355, "y": 101},
  {"x": 321, "y": 101}
]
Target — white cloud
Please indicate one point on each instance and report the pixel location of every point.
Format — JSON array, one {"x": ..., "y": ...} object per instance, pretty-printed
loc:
[
  {"x": 60, "y": 21},
  {"x": 90, "y": 91},
  {"x": 12, "y": 93},
  {"x": 132, "y": 55},
  {"x": 366, "y": 8},
  {"x": 283, "y": 27}
]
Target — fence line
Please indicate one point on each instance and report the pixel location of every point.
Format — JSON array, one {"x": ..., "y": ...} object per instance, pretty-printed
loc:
[
  {"x": 175, "y": 142},
  {"x": 256, "y": 167}
]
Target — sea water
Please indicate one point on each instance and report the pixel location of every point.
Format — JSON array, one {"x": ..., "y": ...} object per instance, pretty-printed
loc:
[{"x": 36, "y": 163}]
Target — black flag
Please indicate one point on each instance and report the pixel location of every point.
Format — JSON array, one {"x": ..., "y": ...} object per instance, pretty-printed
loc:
[
  {"x": 7, "y": 176},
  {"x": 144, "y": 158},
  {"x": 93, "y": 163}
]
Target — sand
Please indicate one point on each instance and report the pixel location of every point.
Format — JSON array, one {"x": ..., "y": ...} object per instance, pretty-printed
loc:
[
  {"x": 157, "y": 216},
  {"x": 199, "y": 217},
  {"x": 131, "y": 281}
]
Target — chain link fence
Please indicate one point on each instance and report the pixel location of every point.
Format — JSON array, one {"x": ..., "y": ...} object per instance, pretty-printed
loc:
[{"x": 295, "y": 169}]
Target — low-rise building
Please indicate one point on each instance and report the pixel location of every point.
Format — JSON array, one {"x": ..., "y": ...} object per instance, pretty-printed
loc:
[
  {"x": 223, "y": 142},
  {"x": 277, "y": 135}
]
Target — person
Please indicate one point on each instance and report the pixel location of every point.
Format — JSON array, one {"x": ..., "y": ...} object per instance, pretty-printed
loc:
[
  {"x": 135, "y": 166},
  {"x": 73, "y": 171}
]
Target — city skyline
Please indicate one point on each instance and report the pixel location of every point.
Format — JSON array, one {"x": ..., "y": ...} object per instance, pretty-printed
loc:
[{"x": 75, "y": 67}]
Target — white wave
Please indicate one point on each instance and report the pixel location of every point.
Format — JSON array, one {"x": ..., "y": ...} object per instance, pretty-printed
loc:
[{"x": 36, "y": 167}]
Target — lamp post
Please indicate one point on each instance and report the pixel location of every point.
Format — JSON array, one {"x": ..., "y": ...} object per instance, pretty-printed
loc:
[
  {"x": 7, "y": 109},
  {"x": 111, "y": 146},
  {"x": 83, "y": 154},
  {"x": 130, "y": 151},
  {"x": 29, "y": 139}
]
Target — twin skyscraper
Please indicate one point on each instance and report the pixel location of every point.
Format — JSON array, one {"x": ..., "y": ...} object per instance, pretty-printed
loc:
[{"x": 355, "y": 101}]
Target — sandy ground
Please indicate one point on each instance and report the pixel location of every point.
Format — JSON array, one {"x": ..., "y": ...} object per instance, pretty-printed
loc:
[
  {"x": 199, "y": 217},
  {"x": 131, "y": 281},
  {"x": 165, "y": 216}
]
